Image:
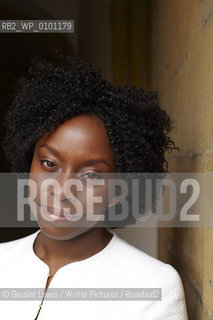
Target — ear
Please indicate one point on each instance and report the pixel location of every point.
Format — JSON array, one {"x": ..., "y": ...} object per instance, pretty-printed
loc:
[{"x": 113, "y": 202}]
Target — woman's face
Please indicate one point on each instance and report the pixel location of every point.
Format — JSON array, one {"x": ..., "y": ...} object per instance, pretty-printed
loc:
[{"x": 79, "y": 148}]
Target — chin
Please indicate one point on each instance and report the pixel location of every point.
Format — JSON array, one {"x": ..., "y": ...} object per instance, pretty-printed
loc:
[{"x": 63, "y": 233}]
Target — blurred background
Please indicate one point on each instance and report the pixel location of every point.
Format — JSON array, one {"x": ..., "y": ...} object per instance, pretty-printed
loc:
[{"x": 164, "y": 45}]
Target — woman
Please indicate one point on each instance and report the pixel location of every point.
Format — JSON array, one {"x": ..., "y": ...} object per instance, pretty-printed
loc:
[{"x": 67, "y": 120}]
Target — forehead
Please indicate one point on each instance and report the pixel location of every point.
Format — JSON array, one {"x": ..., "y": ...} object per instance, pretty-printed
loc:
[{"x": 80, "y": 134}]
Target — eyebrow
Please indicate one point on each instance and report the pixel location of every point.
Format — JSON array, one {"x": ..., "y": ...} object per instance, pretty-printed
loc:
[
  {"x": 87, "y": 162},
  {"x": 51, "y": 149}
]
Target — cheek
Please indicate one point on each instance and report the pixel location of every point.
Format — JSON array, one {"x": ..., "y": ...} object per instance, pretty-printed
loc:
[
  {"x": 96, "y": 199},
  {"x": 33, "y": 188},
  {"x": 36, "y": 193},
  {"x": 35, "y": 181},
  {"x": 33, "y": 195},
  {"x": 92, "y": 198}
]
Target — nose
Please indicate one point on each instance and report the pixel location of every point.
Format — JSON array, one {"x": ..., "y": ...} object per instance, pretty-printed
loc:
[{"x": 65, "y": 187}]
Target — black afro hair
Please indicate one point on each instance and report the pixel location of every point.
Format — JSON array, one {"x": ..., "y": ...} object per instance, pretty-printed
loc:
[{"x": 51, "y": 93}]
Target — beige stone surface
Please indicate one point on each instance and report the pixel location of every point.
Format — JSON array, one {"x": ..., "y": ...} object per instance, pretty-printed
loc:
[
  {"x": 208, "y": 272},
  {"x": 175, "y": 25},
  {"x": 182, "y": 72}
]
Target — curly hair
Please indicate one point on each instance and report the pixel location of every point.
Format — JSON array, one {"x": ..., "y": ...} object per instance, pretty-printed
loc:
[{"x": 51, "y": 93}]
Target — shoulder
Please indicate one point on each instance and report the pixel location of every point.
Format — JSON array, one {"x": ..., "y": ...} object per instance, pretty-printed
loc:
[
  {"x": 13, "y": 248},
  {"x": 153, "y": 273},
  {"x": 16, "y": 242},
  {"x": 172, "y": 304},
  {"x": 132, "y": 257},
  {"x": 128, "y": 257}
]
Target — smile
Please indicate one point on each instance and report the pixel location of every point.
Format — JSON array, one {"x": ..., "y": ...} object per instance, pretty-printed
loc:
[{"x": 56, "y": 214}]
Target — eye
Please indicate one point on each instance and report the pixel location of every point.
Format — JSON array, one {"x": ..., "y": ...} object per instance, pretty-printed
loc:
[
  {"x": 49, "y": 164},
  {"x": 92, "y": 176}
]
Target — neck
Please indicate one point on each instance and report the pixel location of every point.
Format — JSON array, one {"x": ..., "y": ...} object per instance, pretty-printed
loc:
[{"x": 61, "y": 252}]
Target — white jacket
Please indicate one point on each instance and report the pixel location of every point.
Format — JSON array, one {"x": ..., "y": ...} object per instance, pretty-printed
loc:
[{"x": 118, "y": 265}]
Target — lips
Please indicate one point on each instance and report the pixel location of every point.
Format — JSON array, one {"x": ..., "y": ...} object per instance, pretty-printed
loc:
[{"x": 54, "y": 213}]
